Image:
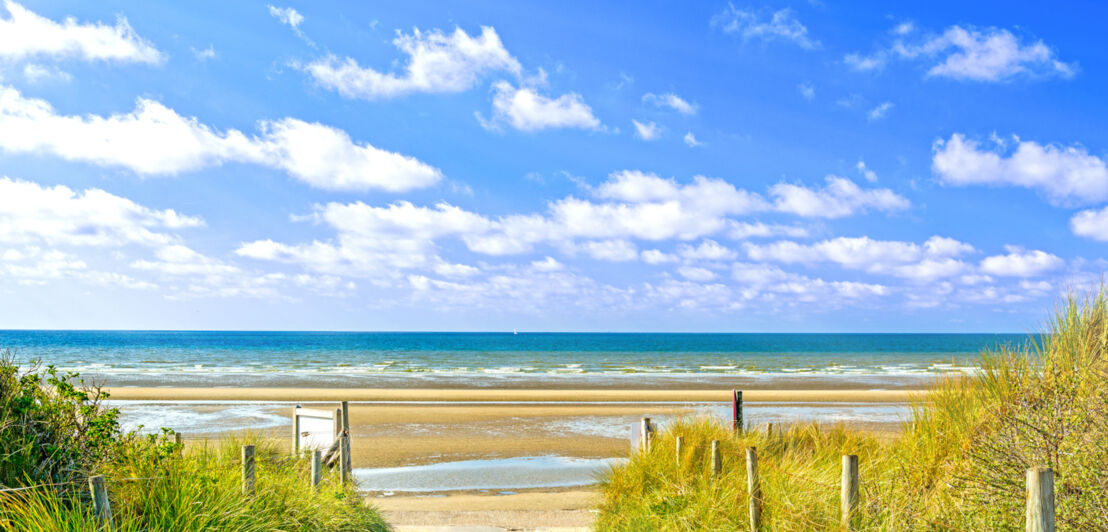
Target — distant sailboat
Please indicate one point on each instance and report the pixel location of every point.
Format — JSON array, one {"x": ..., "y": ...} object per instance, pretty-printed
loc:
[{"x": 515, "y": 331}]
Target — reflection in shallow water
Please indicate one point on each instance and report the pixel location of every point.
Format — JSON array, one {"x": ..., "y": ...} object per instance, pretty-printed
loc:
[{"x": 506, "y": 473}]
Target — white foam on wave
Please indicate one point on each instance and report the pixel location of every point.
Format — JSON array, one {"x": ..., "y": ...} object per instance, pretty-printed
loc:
[
  {"x": 494, "y": 474},
  {"x": 194, "y": 419}
]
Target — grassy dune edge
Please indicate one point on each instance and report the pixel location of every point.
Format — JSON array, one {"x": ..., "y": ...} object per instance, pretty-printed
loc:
[{"x": 958, "y": 465}]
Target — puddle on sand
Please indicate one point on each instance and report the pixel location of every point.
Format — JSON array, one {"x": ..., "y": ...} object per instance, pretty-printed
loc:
[{"x": 492, "y": 474}]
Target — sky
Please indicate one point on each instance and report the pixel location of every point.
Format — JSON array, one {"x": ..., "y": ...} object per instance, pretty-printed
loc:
[{"x": 806, "y": 166}]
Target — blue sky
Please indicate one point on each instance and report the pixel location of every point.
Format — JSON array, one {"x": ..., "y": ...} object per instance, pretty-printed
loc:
[{"x": 646, "y": 166}]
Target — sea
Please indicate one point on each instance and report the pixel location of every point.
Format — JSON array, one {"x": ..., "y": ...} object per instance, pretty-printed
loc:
[{"x": 406, "y": 359}]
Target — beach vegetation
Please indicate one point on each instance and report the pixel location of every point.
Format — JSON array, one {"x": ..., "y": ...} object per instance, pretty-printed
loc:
[
  {"x": 958, "y": 464},
  {"x": 56, "y": 432}
]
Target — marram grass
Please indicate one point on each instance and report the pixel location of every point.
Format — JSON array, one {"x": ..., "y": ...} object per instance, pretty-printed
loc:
[
  {"x": 958, "y": 463},
  {"x": 201, "y": 490}
]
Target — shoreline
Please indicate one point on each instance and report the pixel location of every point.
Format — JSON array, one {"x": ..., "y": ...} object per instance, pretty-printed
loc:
[{"x": 500, "y": 395}]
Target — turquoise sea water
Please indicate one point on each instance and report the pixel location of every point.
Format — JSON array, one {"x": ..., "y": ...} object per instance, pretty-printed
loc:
[{"x": 392, "y": 359}]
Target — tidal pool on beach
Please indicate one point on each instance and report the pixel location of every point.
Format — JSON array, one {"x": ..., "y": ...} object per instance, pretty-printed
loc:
[{"x": 522, "y": 472}]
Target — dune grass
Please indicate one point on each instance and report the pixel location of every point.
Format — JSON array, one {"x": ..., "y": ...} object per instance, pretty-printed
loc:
[
  {"x": 957, "y": 465},
  {"x": 199, "y": 490}
]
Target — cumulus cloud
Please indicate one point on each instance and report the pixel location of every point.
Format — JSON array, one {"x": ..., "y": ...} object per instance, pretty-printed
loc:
[
  {"x": 745, "y": 230},
  {"x": 39, "y": 215},
  {"x": 436, "y": 63},
  {"x": 971, "y": 54},
  {"x": 870, "y": 175},
  {"x": 935, "y": 258},
  {"x": 25, "y": 34},
  {"x": 695, "y": 273},
  {"x": 287, "y": 16},
  {"x": 525, "y": 109},
  {"x": 35, "y": 74},
  {"x": 154, "y": 140},
  {"x": 781, "y": 25},
  {"x": 1091, "y": 223},
  {"x": 840, "y": 197},
  {"x": 647, "y": 131},
  {"x": 671, "y": 101},
  {"x": 1066, "y": 174},
  {"x": 1021, "y": 263},
  {"x": 690, "y": 140}
]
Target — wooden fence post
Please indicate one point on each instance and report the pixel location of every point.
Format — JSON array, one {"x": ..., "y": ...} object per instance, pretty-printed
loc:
[
  {"x": 317, "y": 468},
  {"x": 677, "y": 444},
  {"x": 717, "y": 460},
  {"x": 101, "y": 506},
  {"x": 754, "y": 488},
  {"x": 247, "y": 469},
  {"x": 1040, "y": 499},
  {"x": 295, "y": 431},
  {"x": 848, "y": 496},
  {"x": 737, "y": 410},
  {"x": 180, "y": 441},
  {"x": 344, "y": 452},
  {"x": 347, "y": 462},
  {"x": 646, "y": 433}
]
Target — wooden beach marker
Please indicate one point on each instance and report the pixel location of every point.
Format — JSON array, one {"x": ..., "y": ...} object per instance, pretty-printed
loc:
[
  {"x": 717, "y": 460},
  {"x": 1040, "y": 499},
  {"x": 677, "y": 444},
  {"x": 101, "y": 506},
  {"x": 848, "y": 495},
  {"x": 344, "y": 458},
  {"x": 754, "y": 488},
  {"x": 247, "y": 469},
  {"x": 317, "y": 468},
  {"x": 737, "y": 410},
  {"x": 295, "y": 431},
  {"x": 347, "y": 463},
  {"x": 646, "y": 434}
]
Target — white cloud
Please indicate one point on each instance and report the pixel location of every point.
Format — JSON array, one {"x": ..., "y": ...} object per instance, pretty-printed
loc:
[
  {"x": 750, "y": 25},
  {"x": 647, "y": 131},
  {"x": 611, "y": 250},
  {"x": 745, "y": 230},
  {"x": 671, "y": 101},
  {"x": 287, "y": 16},
  {"x": 840, "y": 197},
  {"x": 177, "y": 259},
  {"x": 1066, "y": 174},
  {"x": 549, "y": 264},
  {"x": 1021, "y": 263},
  {"x": 456, "y": 270},
  {"x": 690, "y": 140},
  {"x": 25, "y": 34},
  {"x": 155, "y": 140},
  {"x": 36, "y": 74},
  {"x": 34, "y": 214},
  {"x": 807, "y": 90},
  {"x": 437, "y": 63},
  {"x": 657, "y": 256},
  {"x": 988, "y": 55},
  {"x": 1091, "y": 223},
  {"x": 204, "y": 54},
  {"x": 870, "y": 175},
  {"x": 707, "y": 250},
  {"x": 694, "y": 273},
  {"x": 879, "y": 112},
  {"x": 935, "y": 258},
  {"x": 526, "y": 110}
]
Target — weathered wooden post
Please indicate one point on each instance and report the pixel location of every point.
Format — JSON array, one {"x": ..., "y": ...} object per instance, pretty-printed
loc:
[
  {"x": 717, "y": 460},
  {"x": 247, "y": 469},
  {"x": 1040, "y": 499},
  {"x": 646, "y": 434},
  {"x": 848, "y": 496},
  {"x": 344, "y": 452},
  {"x": 347, "y": 463},
  {"x": 754, "y": 488},
  {"x": 295, "y": 431},
  {"x": 179, "y": 441},
  {"x": 737, "y": 410},
  {"x": 317, "y": 468},
  {"x": 101, "y": 506},
  {"x": 677, "y": 444}
]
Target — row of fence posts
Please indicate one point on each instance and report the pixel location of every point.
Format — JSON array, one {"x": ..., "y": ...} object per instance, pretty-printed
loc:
[
  {"x": 102, "y": 508},
  {"x": 1040, "y": 480}
]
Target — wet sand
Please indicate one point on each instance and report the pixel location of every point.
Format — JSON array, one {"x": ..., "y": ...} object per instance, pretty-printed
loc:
[{"x": 511, "y": 395}]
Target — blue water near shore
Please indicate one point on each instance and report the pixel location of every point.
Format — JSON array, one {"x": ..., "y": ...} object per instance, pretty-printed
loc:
[{"x": 167, "y": 357}]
